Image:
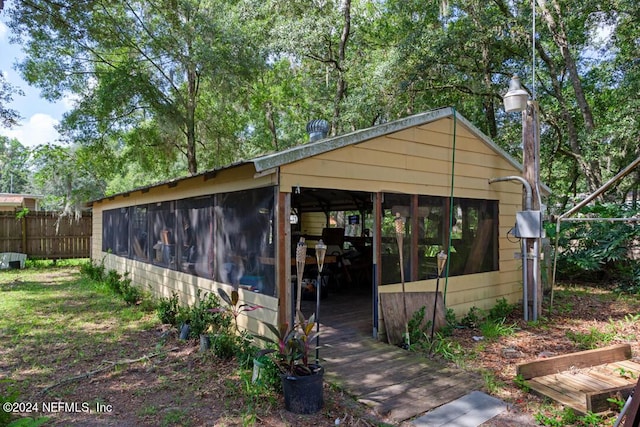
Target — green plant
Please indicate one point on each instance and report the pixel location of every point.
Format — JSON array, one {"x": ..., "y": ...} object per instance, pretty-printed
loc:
[
  {"x": 501, "y": 310},
  {"x": 224, "y": 345},
  {"x": 95, "y": 272},
  {"x": 494, "y": 329},
  {"x": 10, "y": 397},
  {"x": 590, "y": 419},
  {"x": 473, "y": 318},
  {"x": 233, "y": 308},
  {"x": 131, "y": 294},
  {"x": 419, "y": 329},
  {"x": 556, "y": 418},
  {"x": 592, "y": 339},
  {"x": 450, "y": 317},
  {"x": 112, "y": 279},
  {"x": 448, "y": 350},
  {"x": 167, "y": 309},
  {"x": 270, "y": 373},
  {"x": 22, "y": 213},
  {"x": 599, "y": 249},
  {"x": 624, "y": 373},
  {"x": 492, "y": 384},
  {"x": 617, "y": 402},
  {"x": 202, "y": 318},
  {"x": 293, "y": 346},
  {"x": 521, "y": 383}
]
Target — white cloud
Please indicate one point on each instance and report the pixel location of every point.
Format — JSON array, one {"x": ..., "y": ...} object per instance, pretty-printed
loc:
[
  {"x": 38, "y": 130},
  {"x": 3, "y": 30}
]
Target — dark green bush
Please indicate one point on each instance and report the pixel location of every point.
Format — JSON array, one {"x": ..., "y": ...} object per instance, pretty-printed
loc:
[
  {"x": 168, "y": 309},
  {"x": 95, "y": 272},
  {"x": 598, "y": 251}
]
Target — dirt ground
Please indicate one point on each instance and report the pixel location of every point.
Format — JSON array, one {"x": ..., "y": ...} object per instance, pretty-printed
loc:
[{"x": 178, "y": 386}]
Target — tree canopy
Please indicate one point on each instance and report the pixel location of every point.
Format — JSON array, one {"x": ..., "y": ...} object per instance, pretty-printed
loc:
[{"x": 166, "y": 88}]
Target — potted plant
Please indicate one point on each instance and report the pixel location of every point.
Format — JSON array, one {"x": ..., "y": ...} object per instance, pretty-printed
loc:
[
  {"x": 202, "y": 319},
  {"x": 302, "y": 377}
]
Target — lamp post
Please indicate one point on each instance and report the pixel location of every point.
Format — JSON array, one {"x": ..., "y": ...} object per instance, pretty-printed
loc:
[
  {"x": 321, "y": 251},
  {"x": 516, "y": 99},
  {"x": 442, "y": 260}
]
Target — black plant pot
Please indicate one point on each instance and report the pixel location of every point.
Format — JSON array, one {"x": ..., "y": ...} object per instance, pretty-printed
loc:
[
  {"x": 184, "y": 331},
  {"x": 303, "y": 394}
]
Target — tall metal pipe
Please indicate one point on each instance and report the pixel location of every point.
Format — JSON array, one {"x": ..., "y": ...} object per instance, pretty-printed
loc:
[
  {"x": 528, "y": 200},
  {"x": 528, "y": 192}
]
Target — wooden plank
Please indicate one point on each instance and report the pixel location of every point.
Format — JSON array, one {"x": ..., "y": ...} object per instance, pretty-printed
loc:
[
  {"x": 545, "y": 389},
  {"x": 582, "y": 359},
  {"x": 393, "y": 311},
  {"x": 582, "y": 383},
  {"x": 597, "y": 402},
  {"x": 561, "y": 385},
  {"x": 613, "y": 372}
]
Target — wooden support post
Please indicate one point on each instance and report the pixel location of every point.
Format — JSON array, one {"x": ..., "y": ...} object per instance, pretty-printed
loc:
[{"x": 531, "y": 162}]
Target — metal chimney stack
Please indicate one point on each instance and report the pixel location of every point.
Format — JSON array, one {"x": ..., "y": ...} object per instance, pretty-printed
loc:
[{"x": 317, "y": 130}]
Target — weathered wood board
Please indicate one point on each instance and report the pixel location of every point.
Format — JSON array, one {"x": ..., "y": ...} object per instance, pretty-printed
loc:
[
  {"x": 584, "y": 380},
  {"x": 393, "y": 312}
]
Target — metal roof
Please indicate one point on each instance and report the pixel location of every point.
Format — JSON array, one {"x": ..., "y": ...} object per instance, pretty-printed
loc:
[{"x": 299, "y": 152}]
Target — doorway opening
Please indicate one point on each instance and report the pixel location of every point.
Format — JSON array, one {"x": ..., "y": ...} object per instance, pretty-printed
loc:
[{"x": 345, "y": 223}]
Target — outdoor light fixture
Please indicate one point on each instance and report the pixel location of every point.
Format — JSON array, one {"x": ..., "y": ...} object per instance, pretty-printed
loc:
[
  {"x": 516, "y": 98},
  {"x": 442, "y": 261},
  {"x": 321, "y": 251}
]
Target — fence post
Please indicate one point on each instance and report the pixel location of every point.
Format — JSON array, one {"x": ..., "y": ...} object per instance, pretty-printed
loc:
[{"x": 24, "y": 233}]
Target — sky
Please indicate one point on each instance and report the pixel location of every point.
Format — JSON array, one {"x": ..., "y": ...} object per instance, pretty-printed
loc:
[{"x": 39, "y": 116}]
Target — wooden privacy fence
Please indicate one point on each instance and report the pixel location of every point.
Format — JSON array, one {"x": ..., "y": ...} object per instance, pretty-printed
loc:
[{"x": 43, "y": 235}]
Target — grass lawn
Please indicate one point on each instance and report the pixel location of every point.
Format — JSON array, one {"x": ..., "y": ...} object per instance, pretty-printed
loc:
[{"x": 74, "y": 352}]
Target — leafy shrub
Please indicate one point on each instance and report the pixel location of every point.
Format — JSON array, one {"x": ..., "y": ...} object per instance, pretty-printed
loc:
[
  {"x": 473, "y": 318},
  {"x": 224, "y": 345},
  {"x": 501, "y": 310},
  {"x": 168, "y": 308},
  {"x": 270, "y": 374},
  {"x": 598, "y": 250},
  {"x": 95, "y": 272},
  {"x": 203, "y": 315},
  {"x": 112, "y": 280},
  {"x": 419, "y": 329}
]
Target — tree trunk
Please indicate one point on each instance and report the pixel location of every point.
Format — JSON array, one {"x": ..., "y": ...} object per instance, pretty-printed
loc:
[
  {"x": 560, "y": 38},
  {"x": 271, "y": 124},
  {"x": 341, "y": 88},
  {"x": 590, "y": 169},
  {"x": 193, "y": 82}
]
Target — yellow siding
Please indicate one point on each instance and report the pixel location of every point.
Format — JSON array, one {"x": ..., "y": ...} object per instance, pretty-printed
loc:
[
  {"x": 419, "y": 161},
  {"x": 312, "y": 223},
  {"x": 162, "y": 282}
]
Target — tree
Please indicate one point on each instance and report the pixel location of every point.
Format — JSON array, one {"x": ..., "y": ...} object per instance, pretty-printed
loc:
[
  {"x": 66, "y": 177},
  {"x": 14, "y": 172},
  {"x": 8, "y": 116},
  {"x": 137, "y": 67}
]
